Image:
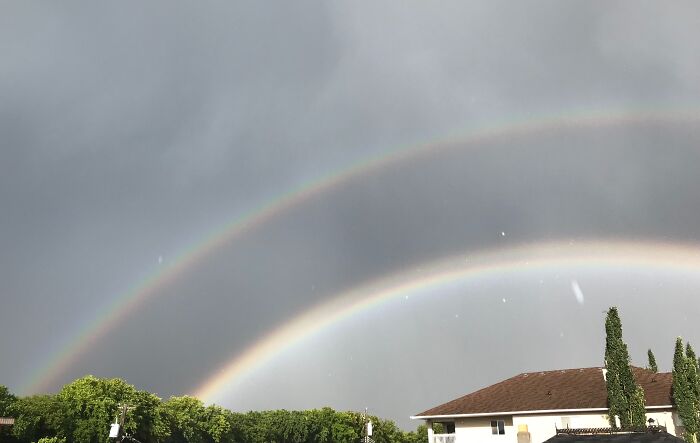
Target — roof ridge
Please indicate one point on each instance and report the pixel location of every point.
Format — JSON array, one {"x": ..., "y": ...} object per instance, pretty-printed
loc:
[
  {"x": 560, "y": 370},
  {"x": 584, "y": 369}
]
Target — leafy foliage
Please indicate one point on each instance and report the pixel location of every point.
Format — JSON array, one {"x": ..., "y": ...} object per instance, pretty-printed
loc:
[
  {"x": 685, "y": 386},
  {"x": 7, "y": 400},
  {"x": 693, "y": 375},
  {"x": 652, "y": 362},
  {"x": 625, "y": 396},
  {"x": 188, "y": 420},
  {"x": 84, "y": 409},
  {"x": 7, "y": 403},
  {"x": 90, "y": 404},
  {"x": 38, "y": 416}
]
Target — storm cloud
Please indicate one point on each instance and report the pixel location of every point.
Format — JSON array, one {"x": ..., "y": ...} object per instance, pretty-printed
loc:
[{"x": 131, "y": 132}]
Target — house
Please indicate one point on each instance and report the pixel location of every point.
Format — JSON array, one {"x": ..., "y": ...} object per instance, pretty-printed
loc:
[{"x": 536, "y": 404}]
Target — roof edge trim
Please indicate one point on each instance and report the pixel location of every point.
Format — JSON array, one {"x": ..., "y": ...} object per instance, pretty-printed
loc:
[{"x": 543, "y": 411}]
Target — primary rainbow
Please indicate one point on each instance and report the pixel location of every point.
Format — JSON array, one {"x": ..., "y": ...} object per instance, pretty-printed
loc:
[
  {"x": 92, "y": 332},
  {"x": 578, "y": 256}
]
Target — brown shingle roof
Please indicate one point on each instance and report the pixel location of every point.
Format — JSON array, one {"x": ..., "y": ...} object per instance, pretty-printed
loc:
[{"x": 562, "y": 389}]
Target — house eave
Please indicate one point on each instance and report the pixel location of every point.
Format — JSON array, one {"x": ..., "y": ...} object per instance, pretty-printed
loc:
[{"x": 543, "y": 411}]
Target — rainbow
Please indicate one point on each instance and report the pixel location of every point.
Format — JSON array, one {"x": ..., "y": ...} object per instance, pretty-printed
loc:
[
  {"x": 112, "y": 315},
  {"x": 431, "y": 279}
]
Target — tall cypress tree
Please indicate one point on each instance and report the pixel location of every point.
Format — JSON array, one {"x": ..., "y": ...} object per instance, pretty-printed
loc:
[
  {"x": 694, "y": 383},
  {"x": 652, "y": 361},
  {"x": 683, "y": 393},
  {"x": 637, "y": 408},
  {"x": 617, "y": 403},
  {"x": 693, "y": 375},
  {"x": 625, "y": 396},
  {"x": 690, "y": 353}
]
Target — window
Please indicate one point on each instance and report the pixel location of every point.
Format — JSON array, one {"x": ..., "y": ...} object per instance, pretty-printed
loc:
[{"x": 498, "y": 427}]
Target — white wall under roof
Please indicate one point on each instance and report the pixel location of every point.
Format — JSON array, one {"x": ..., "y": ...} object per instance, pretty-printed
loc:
[
  {"x": 478, "y": 429},
  {"x": 543, "y": 426}
]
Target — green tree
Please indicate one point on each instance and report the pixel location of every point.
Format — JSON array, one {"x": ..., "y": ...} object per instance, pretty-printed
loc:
[
  {"x": 38, "y": 416},
  {"x": 420, "y": 435},
  {"x": 83, "y": 410},
  {"x": 386, "y": 431},
  {"x": 637, "y": 407},
  {"x": 617, "y": 403},
  {"x": 7, "y": 402},
  {"x": 285, "y": 426},
  {"x": 247, "y": 428},
  {"x": 218, "y": 424},
  {"x": 186, "y": 419},
  {"x": 145, "y": 420},
  {"x": 693, "y": 375},
  {"x": 683, "y": 393},
  {"x": 321, "y": 425},
  {"x": 652, "y": 361},
  {"x": 624, "y": 399},
  {"x": 347, "y": 427},
  {"x": 91, "y": 404}
]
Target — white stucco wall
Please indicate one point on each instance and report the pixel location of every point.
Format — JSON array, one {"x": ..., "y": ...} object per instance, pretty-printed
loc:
[
  {"x": 479, "y": 430},
  {"x": 543, "y": 426}
]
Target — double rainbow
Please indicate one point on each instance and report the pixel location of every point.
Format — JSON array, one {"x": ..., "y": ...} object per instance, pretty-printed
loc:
[{"x": 60, "y": 361}]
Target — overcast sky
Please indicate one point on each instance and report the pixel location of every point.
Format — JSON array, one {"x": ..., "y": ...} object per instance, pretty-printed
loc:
[{"x": 132, "y": 131}]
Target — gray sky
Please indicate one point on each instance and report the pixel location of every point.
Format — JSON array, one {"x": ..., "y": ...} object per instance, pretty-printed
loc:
[{"x": 131, "y": 131}]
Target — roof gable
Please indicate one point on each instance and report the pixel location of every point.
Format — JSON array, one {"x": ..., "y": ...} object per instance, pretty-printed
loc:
[{"x": 551, "y": 390}]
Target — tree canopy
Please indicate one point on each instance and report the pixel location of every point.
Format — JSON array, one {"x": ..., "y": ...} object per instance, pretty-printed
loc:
[
  {"x": 625, "y": 396},
  {"x": 652, "y": 361},
  {"x": 685, "y": 388},
  {"x": 83, "y": 410}
]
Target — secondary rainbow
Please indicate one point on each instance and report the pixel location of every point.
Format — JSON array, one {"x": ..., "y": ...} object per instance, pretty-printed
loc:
[
  {"x": 92, "y": 332},
  {"x": 579, "y": 256}
]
